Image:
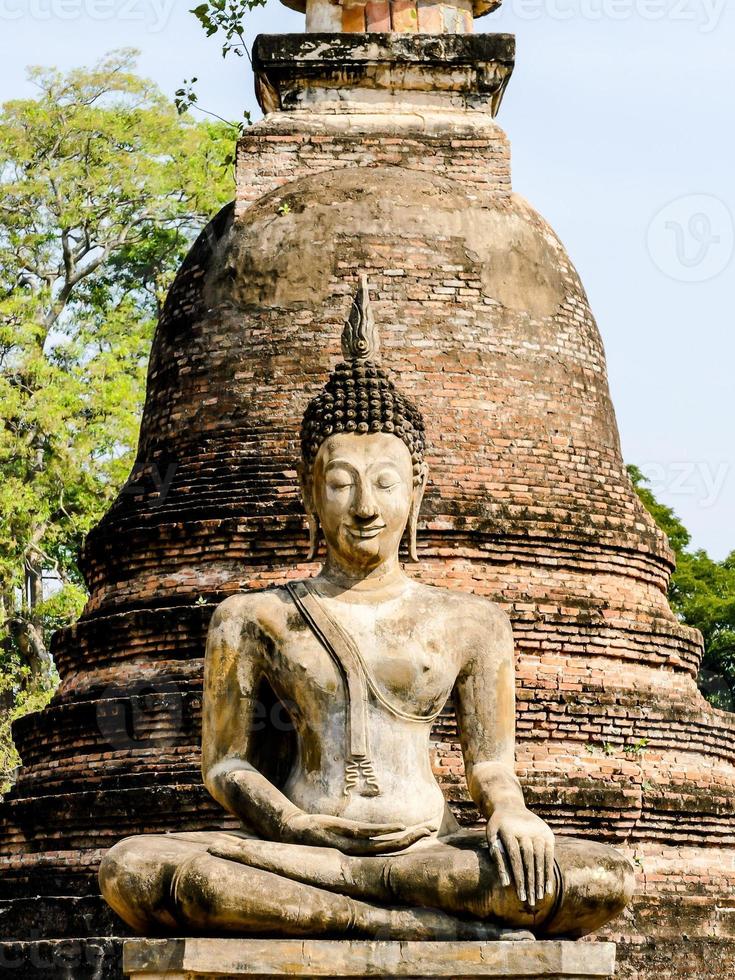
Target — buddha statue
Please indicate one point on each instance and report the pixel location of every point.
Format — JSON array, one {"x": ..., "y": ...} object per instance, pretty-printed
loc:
[{"x": 357, "y": 840}]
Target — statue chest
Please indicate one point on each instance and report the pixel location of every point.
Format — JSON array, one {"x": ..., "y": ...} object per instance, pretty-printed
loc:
[{"x": 408, "y": 662}]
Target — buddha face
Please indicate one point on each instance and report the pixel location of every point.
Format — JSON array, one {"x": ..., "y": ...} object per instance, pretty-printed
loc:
[{"x": 362, "y": 491}]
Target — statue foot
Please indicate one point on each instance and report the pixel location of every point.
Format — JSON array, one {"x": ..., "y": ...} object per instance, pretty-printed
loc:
[
  {"x": 429, "y": 925},
  {"x": 516, "y": 936}
]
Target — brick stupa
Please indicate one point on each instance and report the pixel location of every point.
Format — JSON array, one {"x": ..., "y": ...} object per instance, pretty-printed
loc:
[{"x": 380, "y": 155}]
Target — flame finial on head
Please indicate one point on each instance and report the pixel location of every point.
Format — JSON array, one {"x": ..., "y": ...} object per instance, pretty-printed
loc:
[
  {"x": 360, "y": 341},
  {"x": 360, "y": 395}
]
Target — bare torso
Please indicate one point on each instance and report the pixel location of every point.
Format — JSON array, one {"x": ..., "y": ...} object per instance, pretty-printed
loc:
[{"x": 414, "y": 645}]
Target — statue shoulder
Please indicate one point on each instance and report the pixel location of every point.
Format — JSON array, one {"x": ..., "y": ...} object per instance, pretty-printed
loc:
[
  {"x": 480, "y": 621},
  {"x": 260, "y": 607},
  {"x": 457, "y": 600}
]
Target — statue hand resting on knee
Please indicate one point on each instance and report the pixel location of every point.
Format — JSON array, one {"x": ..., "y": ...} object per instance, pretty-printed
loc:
[{"x": 357, "y": 840}]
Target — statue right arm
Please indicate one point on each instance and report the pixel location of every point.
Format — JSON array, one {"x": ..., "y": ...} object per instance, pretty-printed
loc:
[{"x": 233, "y": 667}]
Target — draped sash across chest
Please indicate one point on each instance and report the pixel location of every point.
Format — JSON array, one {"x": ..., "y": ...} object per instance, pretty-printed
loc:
[{"x": 359, "y": 684}]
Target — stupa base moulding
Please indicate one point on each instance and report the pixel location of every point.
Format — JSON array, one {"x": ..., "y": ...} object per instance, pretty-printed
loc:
[{"x": 227, "y": 959}]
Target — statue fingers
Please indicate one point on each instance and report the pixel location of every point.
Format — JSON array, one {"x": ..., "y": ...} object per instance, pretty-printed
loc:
[
  {"x": 411, "y": 836},
  {"x": 501, "y": 861},
  {"x": 539, "y": 854},
  {"x": 347, "y": 845},
  {"x": 513, "y": 850},
  {"x": 371, "y": 847},
  {"x": 529, "y": 867},
  {"x": 550, "y": 876},
  {"x": 418, "y": 832},
  {"x": 356, "y": 830},
  {"x": 381, "y": 829},
  {"x": 493, "y": 826},
  {"x": 348, "y": 842},
  {"x": 316, "y": 834}
]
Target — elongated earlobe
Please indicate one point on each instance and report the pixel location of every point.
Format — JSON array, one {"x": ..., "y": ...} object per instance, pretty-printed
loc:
[
  {"x": 314, "y": 535},
  {"x": 413, "y": 517},
  {"x": 311, "y": 515}
]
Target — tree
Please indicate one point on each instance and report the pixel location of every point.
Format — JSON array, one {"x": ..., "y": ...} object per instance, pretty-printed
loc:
[
  {"x": 226, "y": 18},
  {"x": 702, "y": 593},
  {"x": 103, "y": 185}
]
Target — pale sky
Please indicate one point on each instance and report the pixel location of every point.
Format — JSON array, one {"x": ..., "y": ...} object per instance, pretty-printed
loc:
[{"x": 621, "y": 115}]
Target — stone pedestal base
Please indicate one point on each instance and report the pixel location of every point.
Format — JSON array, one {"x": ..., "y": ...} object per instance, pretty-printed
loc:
[{"x": 227, "y": 959}]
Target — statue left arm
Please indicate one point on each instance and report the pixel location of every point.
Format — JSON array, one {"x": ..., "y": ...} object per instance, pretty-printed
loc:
[{"x": 521, "y": 844}]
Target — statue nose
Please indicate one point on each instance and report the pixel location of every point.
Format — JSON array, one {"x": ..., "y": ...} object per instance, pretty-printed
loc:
[{"x": 365, "y": 506}]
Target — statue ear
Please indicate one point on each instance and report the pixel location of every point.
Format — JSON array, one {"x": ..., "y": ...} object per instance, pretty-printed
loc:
[
  {"x": 413, "y": 517},
  {"x": 314, "y": 536},
  {"x": 307, "y": 496}
]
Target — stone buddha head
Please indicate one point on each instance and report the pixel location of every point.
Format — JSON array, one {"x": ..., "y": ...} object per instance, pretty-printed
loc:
[{"x": 363, "y": 472}]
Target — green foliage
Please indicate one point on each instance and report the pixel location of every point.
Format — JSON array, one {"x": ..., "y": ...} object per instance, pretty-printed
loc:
[
  {"x": 62, "y": 607},
  {"x": 679, "y": 537},
  {"x": 103, "y": 185},
  {"x": 228, "y": 18},
  {"x": 702, "y": 594},
  {"x": 20, "y": 696},
  {"x": 186, "y": 99}
]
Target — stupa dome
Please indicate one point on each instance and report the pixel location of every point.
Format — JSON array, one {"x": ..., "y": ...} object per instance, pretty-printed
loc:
[{"x": 482, "y": 315}]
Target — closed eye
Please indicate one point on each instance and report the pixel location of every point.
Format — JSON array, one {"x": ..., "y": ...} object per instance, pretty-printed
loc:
[{"x": 387, "y": 480}]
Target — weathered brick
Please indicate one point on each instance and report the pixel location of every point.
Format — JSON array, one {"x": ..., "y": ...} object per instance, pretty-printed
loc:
[
  {"x": 377, "y": 14},
  {"x": 404, "y": 15},
  {"x": 353, "y": 18},
  {"x": 430, "y": 17}
]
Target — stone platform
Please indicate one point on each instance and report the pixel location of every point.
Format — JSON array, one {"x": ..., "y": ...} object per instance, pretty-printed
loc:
[{"x": 227, "y": 959}]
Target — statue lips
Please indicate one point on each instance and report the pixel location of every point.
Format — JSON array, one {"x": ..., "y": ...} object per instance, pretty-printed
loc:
[{"x": 366, "y": 532}]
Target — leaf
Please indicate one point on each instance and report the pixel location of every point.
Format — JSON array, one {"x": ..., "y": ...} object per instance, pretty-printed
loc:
[{"x": 228, "y": 16}]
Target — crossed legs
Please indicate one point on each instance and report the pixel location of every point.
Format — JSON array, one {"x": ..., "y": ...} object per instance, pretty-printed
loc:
[{"x": 228, "y": 883}]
